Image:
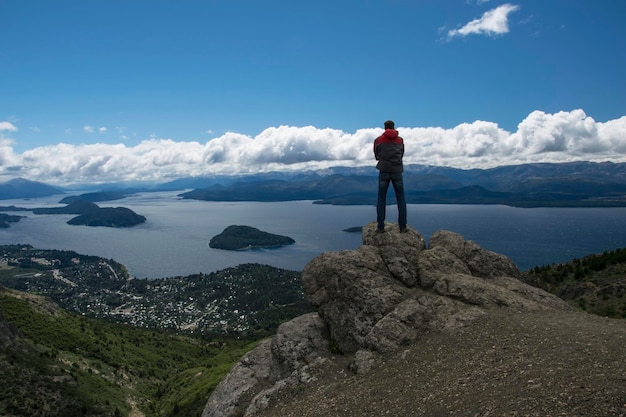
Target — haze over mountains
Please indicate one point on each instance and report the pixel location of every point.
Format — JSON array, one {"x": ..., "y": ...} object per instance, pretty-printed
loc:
[{"x": 544, "y": 184}]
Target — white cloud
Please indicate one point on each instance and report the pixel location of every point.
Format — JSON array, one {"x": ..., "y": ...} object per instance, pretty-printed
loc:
[
  {"x": 8, "y": 159},
  {"x": 7, "y": 156},
  {"x": 102, "y": 129},
  {"x": 88, "y": 129},
  {"x": 540, "y": 137},
  {"x": 7, "y": 126},
  {"x": 493, "y": 22}
]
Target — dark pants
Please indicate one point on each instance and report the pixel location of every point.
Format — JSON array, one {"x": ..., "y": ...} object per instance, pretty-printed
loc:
[{"x": 381, "y": 204}]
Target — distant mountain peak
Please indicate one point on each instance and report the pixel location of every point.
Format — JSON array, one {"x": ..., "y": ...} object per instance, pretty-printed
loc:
[{"x": 23, "y": 188}]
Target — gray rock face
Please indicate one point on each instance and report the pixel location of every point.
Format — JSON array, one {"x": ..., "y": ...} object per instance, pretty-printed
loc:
[
  {"x": 482, "y": 263},
  {"x": 282, "y": 361},
  {"x": 374, "y": 300}
]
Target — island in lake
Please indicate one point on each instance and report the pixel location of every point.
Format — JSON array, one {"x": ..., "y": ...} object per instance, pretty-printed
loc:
[
  {"x": 5, "y": 219},
  {"x": 246, "y": 237},
  {"x": 90, "y": 214}
]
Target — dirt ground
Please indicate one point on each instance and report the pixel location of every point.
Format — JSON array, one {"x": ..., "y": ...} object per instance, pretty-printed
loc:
[{"x": 505, "y": 364}]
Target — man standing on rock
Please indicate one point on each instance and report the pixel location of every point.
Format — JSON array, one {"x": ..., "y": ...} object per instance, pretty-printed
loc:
[{"x": 389, "y": 150}]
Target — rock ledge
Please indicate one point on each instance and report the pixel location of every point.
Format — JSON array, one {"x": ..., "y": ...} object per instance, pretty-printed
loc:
[{"x": 374, "y": 301}]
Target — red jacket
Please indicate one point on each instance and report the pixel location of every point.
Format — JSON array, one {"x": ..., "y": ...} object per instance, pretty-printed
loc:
[{"x": 389, "y": 150}]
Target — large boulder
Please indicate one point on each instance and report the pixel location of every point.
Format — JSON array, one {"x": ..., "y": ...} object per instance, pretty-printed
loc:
[
  {"x": 277, "y": 363},
  {"x": 374, "y": 300},
  {"x": 393, "y": 289}
]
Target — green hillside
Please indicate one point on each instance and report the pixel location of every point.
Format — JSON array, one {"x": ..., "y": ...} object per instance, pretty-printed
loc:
[
  {"x": 595, "y": 283},
  {"x": 54, "y": 362},
  {"x": 57, "y": 363}
]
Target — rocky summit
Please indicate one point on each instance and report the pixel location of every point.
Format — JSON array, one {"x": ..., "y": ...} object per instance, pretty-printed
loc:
[{"x": 379, "y": 301}]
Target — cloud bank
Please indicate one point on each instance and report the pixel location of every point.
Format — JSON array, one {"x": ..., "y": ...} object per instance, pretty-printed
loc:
[
  {"x": 493, "y": 22},
  {"x": 541, "y": 137}
]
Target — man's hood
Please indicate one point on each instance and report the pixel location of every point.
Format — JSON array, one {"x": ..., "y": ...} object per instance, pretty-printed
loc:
[{"x": 390, "y": 133}]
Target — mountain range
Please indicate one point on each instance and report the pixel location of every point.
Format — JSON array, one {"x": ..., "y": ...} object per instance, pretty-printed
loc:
[
  {"x": 588, "y": 184},
  {"x": 532, "y": 185}
]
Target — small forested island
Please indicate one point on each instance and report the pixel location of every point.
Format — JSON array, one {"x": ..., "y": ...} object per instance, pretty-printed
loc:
[
  {"x": 109, "y": 217},
  {"x": 90, "y": 214},
  {"x": 246, "y": 237},
  {"x": 5, "y": 219}
]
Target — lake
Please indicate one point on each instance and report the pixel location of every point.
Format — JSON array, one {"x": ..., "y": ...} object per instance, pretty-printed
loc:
[{"x": 174, "y": 239}]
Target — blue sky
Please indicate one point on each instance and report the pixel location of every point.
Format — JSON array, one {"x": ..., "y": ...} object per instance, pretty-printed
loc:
[{"x": 94, "y": 90}]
